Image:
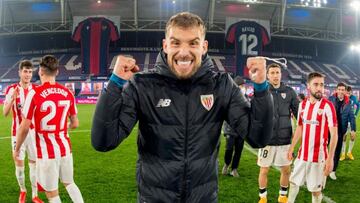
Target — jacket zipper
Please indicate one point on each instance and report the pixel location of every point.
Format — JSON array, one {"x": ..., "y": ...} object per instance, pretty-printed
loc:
[{"x": 184, "y": 184}]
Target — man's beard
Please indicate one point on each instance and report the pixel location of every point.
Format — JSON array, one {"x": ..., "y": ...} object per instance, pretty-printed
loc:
[
  {"x": 184, "y": 76},
  {"x": 317, "y": 95}
]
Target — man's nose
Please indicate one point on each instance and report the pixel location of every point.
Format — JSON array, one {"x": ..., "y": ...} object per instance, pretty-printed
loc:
[{"x": 184, "y": 51}]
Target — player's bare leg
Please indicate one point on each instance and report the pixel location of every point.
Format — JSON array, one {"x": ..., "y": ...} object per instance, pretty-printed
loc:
[
  {"x": 284, "y": 183},
  {"x": 263, "y": 179}
]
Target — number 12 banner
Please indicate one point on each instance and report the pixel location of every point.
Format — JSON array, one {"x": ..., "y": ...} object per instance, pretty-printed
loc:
[{"x": 249, "y": 37}]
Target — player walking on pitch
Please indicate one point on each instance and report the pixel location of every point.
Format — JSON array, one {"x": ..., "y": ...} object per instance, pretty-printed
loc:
[
  {"x": 285, "y": 104},
  {"x": 316, "y": 117},
  {"x": 50, "y": 105}
]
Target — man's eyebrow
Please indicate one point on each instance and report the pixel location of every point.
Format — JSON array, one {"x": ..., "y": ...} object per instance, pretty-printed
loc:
[
  {"x": 173, "y": 38},
  {"x": 197, "y": 38}
]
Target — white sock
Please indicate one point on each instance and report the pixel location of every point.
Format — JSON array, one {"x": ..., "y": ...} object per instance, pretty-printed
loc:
[
  {"x": 32, "y": 174},
  {"x": 283, "y": 192},
  {"x": 55, "y": 199},
  {"x": 74, "y": 193},
  {"x": 351, "y": 145},
  {"x": 262, "y": 193},
  {"x": 343, "y": 149},
  {"x": 20, "y": 176},
  {"x": 293, "y": 192},
  {"x": 317, "y": 199}
]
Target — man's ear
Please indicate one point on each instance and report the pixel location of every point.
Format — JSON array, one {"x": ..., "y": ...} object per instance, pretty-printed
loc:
[
  {"x": 164, "y": 45},
  {"x": 40, "y": 72},
  {"x": 205, "y": 47}
]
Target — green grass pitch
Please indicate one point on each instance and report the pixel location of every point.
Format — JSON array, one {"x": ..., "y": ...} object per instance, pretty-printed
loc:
[{"x": 110, "y": 177}]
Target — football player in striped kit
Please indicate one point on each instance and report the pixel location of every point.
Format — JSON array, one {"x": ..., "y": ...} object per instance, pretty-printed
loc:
[
  {"x": 14, "y": 102},
  {"x": 51, "y": 105},
  {"x": 316, "y": 118}
]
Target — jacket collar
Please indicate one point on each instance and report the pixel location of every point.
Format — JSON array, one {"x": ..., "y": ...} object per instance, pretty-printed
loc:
[
  {"x": 282, "y": 86},
  {"x": 346, "y": 98}
]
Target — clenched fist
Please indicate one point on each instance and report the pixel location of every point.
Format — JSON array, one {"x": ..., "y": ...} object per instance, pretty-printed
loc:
[
  {"x": 125, "y": 67},
  {"x": 257, "y": 69}
]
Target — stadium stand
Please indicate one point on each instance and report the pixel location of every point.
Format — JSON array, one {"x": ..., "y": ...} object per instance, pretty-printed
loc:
[{"x": 296, "y": 70}]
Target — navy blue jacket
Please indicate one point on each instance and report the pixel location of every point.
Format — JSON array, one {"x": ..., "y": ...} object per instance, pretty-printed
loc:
[{"x": 347, "y": 113}]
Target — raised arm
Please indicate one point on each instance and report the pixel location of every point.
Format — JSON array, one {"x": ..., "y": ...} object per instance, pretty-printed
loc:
[
  {"x": 10, "y": 97},
  {"x": 27, "y": 115},
  {"x": 115, "y": 114},
  {"x": 253, "y": 122}
]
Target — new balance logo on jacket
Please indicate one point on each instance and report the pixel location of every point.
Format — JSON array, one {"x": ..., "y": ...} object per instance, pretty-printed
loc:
[{"x": 164, "y": 103}]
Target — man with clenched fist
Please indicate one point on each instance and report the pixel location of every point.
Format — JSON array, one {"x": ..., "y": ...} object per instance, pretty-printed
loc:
[{"x": 180, "y": 106}]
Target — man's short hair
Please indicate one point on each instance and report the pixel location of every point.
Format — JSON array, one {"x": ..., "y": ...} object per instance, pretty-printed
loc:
[
  {"x": 185, "y": 20},
  {"x": 348, "y": 88},
  {"x": 272, "y": 65},
  {"x": 239, "y": 80},
  {"x": 341, "y": 84},
  {"x": 25, "y": 64},
  {"x": 49, "y": 64},
  {"x": 313, "y": 75}
]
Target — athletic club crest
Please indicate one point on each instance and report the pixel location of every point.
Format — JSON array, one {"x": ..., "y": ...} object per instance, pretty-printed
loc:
[
  {"x": 283, "y": 95},
  {"x": 207, "y": 101},
  {"x": 320, "y": 111}
]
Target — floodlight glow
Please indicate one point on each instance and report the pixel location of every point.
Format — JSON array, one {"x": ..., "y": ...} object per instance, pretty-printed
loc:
[
  {"x": 355, "y": 47},
  {"x": 355, "y": 5},
  {"x": 99, "y": 2},
  {"x": 313, "y": 3}
]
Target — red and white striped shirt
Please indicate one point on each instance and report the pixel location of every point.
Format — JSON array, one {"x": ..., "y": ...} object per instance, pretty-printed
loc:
[
  {"x": 50, "y": 105},
  {"x": 18, "y": 103},
  {"x": 316, "y": 119}
]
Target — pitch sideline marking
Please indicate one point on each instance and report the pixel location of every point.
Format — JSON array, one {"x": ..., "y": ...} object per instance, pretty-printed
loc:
[
  {"x": 74, "y": 131},
  {"x": 253, "y": 151}
]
